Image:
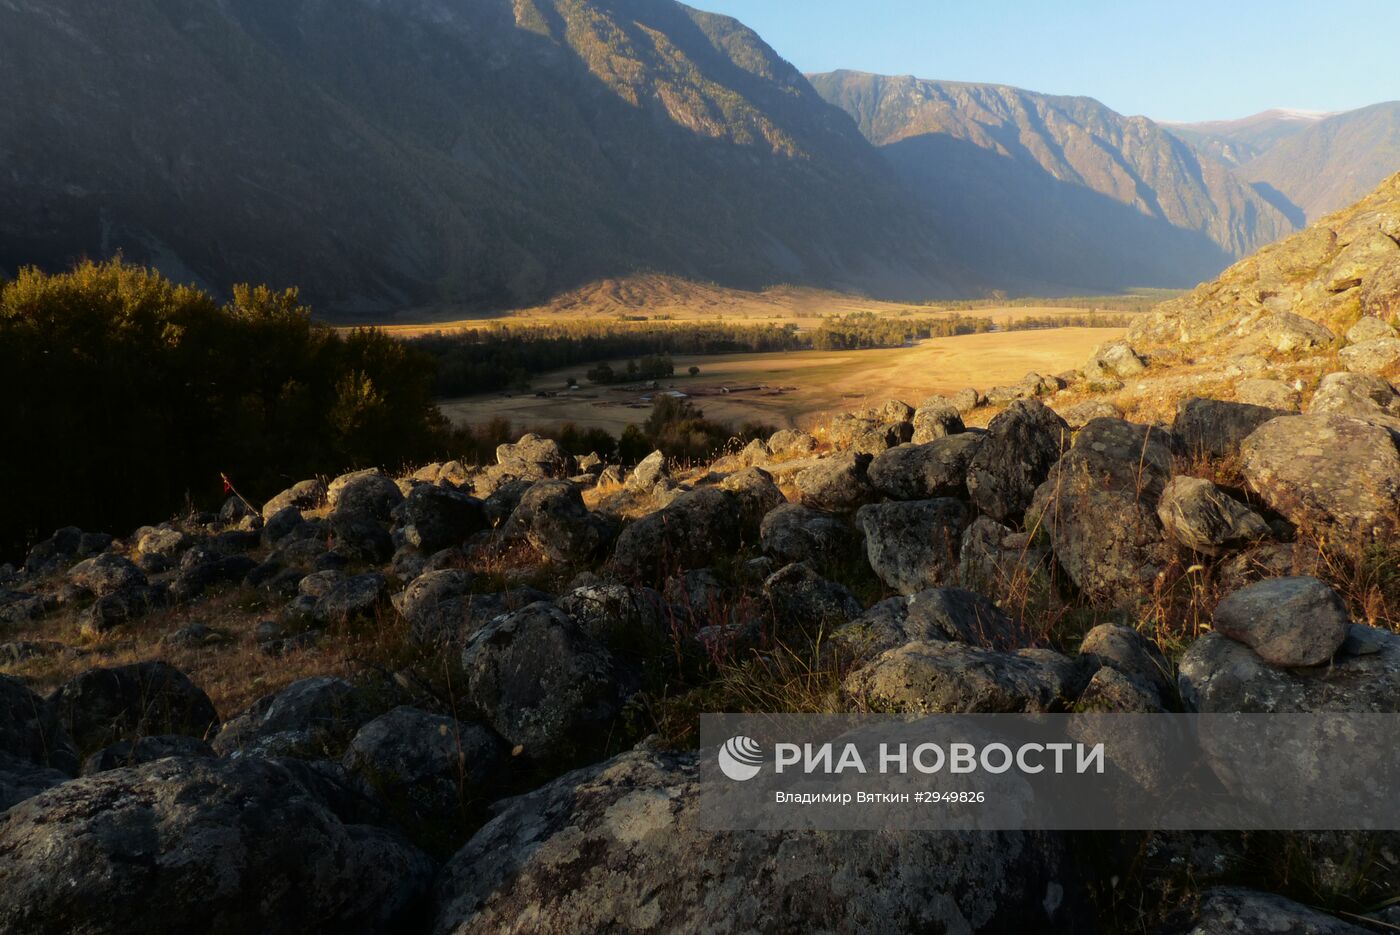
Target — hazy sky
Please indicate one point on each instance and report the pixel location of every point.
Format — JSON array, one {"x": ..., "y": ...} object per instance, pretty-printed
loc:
[{"x": 1168, "y": 59}]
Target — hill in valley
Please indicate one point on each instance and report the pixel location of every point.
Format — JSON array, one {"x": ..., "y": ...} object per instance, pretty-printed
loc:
[
  {"x": 1059, "y": 191},
  {"x": 385, "y": 155}
]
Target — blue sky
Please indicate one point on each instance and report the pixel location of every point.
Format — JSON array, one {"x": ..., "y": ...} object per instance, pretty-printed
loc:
[{"x": 1177, "y": 60}]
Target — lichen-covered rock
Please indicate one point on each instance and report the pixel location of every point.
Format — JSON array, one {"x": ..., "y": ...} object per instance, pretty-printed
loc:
[
  {"x": 649, "y": 472},
  {"x": 356, "y": 597},
  {"x": 544, "y": 684},
  {"x": 1021, "y": 445},
  {"x": 441, "y": 608},
  {"x": 553, "y": 519},
  {"x": 1287, "y": 333},
  {"x": 30, "y": 730},
  {"x": 913, "y": 545},
  {"x": 795, "y": 533},
  {"x": 1215, "y": 427},
  {"x": 923, "y": 471},
  {"x": 1127, "y": 651},
  {"x": 967, "y": 399},
  {"x": 125, "y": 753},
  {"x": 757, "y": 495},
  {"x": 958, "y": 678},
  {"x": 107, "y": 574},
  {"x": 23, "y": 779},
  {"x": 1358, "y": 395},
  {"x": 936, "y": 614},
  {"x": 310, "y": 719},
  {"x": 303, "y": 495},
  {"x": 535, "y": 458},
  {"x": 426, "y": 767},
  {"x": 621, "y": 847},
  {"x": 1202, "y": 517},
  {"x": 438, "y": 517},
  {"x": 1235, "y": 911},
  {"x": 790, "y": 443},
  {"x": 1339, "y": 476},
  {"x": 102, "y": 706},
  {"x": 1098, "y": 507},
  {"x": 1114, "y": 359},
  {"x": 936, "y": 417},
  {"x": 1378, "y": 356},
  {"x": 689, "y": 532},
  {"x": 804, "y": 602},
  {"x": 628, "y": 621},
  {"x": 998, "y": 560},
  {"x": 1271, "y": 394},
  {"x": 1219, "y": 675},
  {"x": 1294, "y": 621},
  {"x": 196, "y": 844},
  {"x": 837, "y": 484},
  {"x": 1081, "y": 414},
  {"x": 368, "y": 493}
]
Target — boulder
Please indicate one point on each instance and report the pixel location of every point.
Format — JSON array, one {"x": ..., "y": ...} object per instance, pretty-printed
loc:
[
  {"x": 689, "y": 532},
  {"x": 102, "y": 706},
  {"x": 202, "y": 568},
  {"x": 535, "y": 458},
  {"x": 364, "y": 493},
  {"x": 757, "y": 494},
  {"x": 438, "y": 517},
  {"x": 628, "y": 621},
  {"x": 106, "y": 574},
  {"x": 1219, "y": 675},
  {"x": 1236, "y": 911},
  {"x": 629, "y": 837},
  {"x": 281, "y": 524},
  {"x": 1288, "y": 333},
  {"x": 1111, "y": 692},
  {"x": 649, "y": 472},
  {"x": 362, "y": 537},
  {"x": 1359, "y": 396},
  {"x": 795, "y": 533},
  {"x": 309, "y": 719},
  {"x": 357, "y": 597},
  {"x": 201, "y": 845},
  {"x": 1375, "y": 357},
  {"x": 125, "y": 753},
  {"x": 164, "y": 542},
  {"x": 23, "y": 779},
  {"x": 803, "y": 602},
  {"x": 429, "y": 769},
  {"x": 1114, "y": 359},
  {"x": 1202, "y": 517},
  {"x": 790, "y": 443},
  {"x": 55, "y": 552},
  {"x": 1368, "y": 251},
  {"x": 30, "y": 730},
  {"x": 938, "y": 614},
  {"x": 1127, "y": 651},
  {"x": 1215, "y": 427},
  {"x": 441, "y": 609},
  {"x": 113, "y": 610},
  {"x": 1380, "y": 293},
  {"x": 552, "y": 518},
  {"x": 1337, "y": 475},
  {"x": 544, "y": 684},
  {"x": 304, "y": 495},
  {"x": 1271, "y": 394},
  {"x": 1098, "y": 507},
  {"x": 881, "y": 437},
  {"x": 998, "y": 560},
  {"x": 1081, "y": 414},
  {"x": 1022, "y": 444},
  {"x": 924, "y": 471},
  {"x": 1369, "y": 328},
  {"x": 913, "y": 545},
  {"x": 936, "y": 417},
  {"x": 958, "y": 678},
  {"x": 837, "y": 484},
  {"x": 1294, "y": 621}
]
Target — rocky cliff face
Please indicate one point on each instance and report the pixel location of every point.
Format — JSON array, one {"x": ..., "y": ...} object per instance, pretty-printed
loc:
[
  {"x": 384, "y": 155},
  {"x": 1060, "y": 188}
]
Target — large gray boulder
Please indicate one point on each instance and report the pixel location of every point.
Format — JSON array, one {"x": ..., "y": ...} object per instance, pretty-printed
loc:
[
  {"x": 1358, "y": 395},
  {"x": 837, "y": 484},
  {"x": 303, "y": 495},
  {"x": 201, "y": 845},
  {"x": 544, "y": 684},
  {"x": 1099, "y": 508},
  {"x": 1375, "y": 357},
  {"x": 438, "y": 517},
  {"x": 1022, "y": 444},
  {"x": 958, "y": 678},
  {"x": 552, "y": 518},
  {"x": 803, "y": 602},
  {"x": 1336, "y": 475},
  {"x": 628, "y": 621},
  {"x": 1202, "y": 517},
  {"x": 313, "y": 718},
  {"x": 1216, "y": 428},
  {"x": 1219, "y": 675},
  {"x": 1294, "y": 621},
  {"x": 622, "y": 847},
  {"x": 1228, "y": 910},
  {"x": 23, "y": 779},
  {"x": 937, "y": 614},
  {"x": 923, "y": 471},
  {"x": 649, "y": 472},
  {"x": 368, "y": 493},
  {"x": 1109, "y": 646},
  {"x": 757, "y": 495},
  {"x": 913, "y": 545},
  {"x": 936, "y": 417},
  {"x": 108, "y": 573},
  {"x": 796, "y": 533},
  {"x": 998, "y": 560},
  {"x": 441, "y": 609},
  {"x": 102, "y": 706},
  {"x": 534, "y": 458},
  {"x": 428, "y": 768},
  {"x": 690, "y": 532},
  {"x": 31, "y": 731}
]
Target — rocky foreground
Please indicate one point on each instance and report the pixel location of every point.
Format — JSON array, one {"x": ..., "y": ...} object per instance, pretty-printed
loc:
[{"x": 516, "y": 751}]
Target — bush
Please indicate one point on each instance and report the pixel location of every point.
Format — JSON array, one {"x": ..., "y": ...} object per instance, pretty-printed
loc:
[{"x": 127, "y": 396}]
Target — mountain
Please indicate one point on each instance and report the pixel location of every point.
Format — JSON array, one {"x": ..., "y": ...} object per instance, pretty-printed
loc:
[
  {"x": 394, "y": 153},
  {"x": 1332, "y": 162},
  {"x": 1057, "y": 192},
  {"x": 1239, "y": 141}
]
